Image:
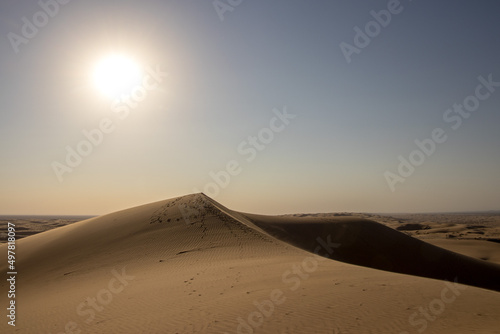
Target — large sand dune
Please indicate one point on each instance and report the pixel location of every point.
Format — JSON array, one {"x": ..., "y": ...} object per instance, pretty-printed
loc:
[{"x": 190, "y": 265}]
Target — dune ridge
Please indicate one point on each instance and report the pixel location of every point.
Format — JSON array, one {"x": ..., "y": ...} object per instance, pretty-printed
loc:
[
  {"x": 191, "y": 265},
  {"x": 367, "y": 243}
]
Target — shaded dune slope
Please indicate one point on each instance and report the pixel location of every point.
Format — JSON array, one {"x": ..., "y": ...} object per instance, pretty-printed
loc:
[{"x": 370, "y": 244}]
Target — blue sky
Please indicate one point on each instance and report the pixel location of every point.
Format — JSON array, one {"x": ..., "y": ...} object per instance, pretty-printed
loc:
[{"x": 227, "y": 80}]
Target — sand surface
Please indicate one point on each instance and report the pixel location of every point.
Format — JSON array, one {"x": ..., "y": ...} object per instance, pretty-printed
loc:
[{"x": 190, "y": 265}]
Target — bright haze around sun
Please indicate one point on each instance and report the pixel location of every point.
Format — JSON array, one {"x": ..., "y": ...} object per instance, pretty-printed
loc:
[{"x": 116, "y": 74}]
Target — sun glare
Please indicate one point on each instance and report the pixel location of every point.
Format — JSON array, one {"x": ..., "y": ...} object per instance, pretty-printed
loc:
[{"x": 115, "y": 75}]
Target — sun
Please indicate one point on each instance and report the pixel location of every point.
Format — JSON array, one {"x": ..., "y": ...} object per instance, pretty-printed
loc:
[{"x": 115, "y": 75}]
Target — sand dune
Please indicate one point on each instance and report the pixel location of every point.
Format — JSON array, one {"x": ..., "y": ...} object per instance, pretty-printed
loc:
[{"x": 190, "y": 265}]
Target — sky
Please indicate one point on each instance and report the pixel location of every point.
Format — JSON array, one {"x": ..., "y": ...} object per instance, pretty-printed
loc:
[{"x": 266, "y": 106}]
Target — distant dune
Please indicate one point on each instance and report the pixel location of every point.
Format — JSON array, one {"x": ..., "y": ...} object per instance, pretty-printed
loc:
[{"x": 190, "y": 265}]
